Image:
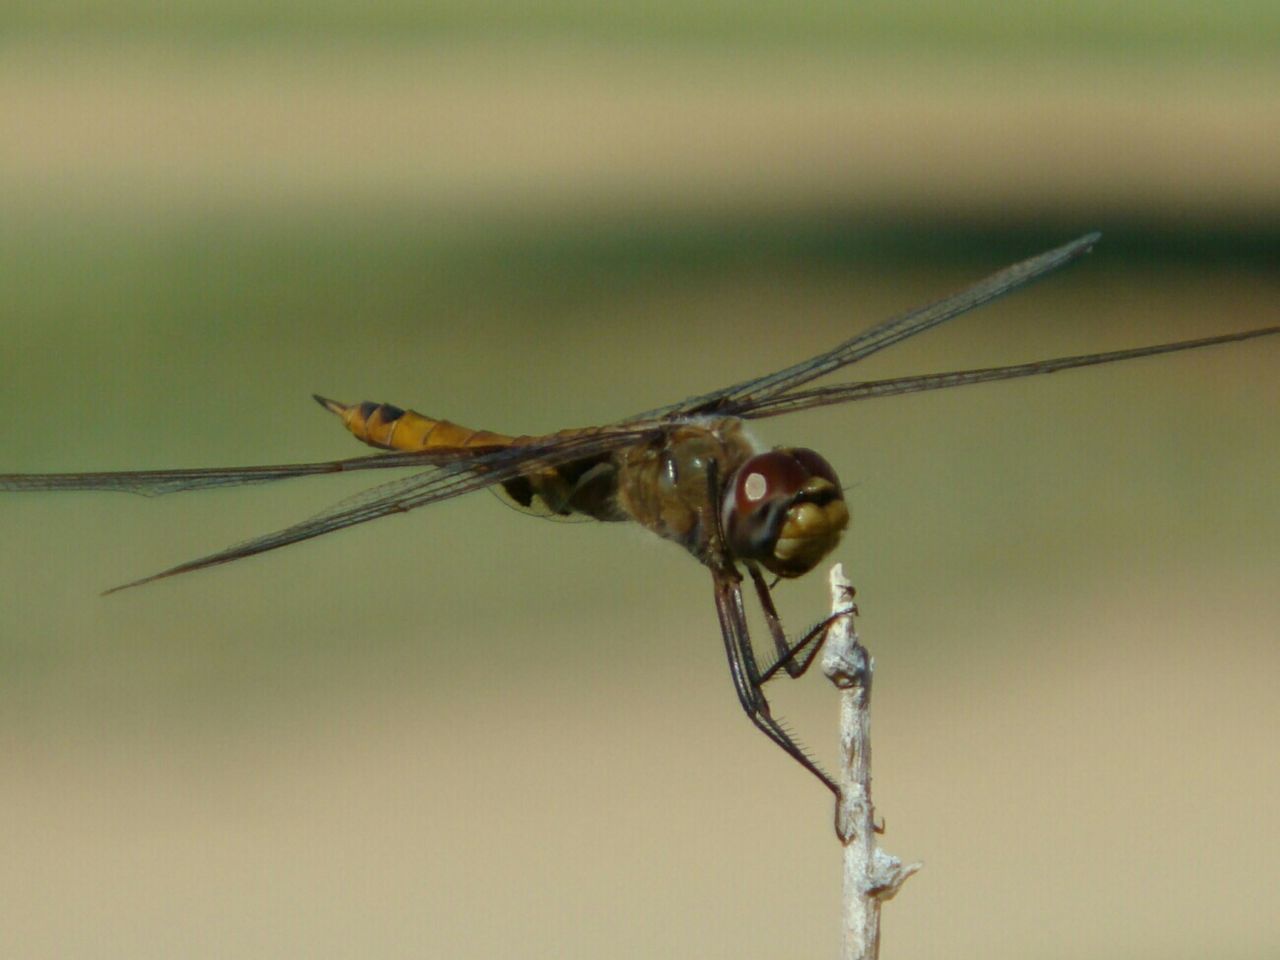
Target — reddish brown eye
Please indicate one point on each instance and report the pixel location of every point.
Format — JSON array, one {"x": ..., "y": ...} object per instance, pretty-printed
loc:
[
  {"x": 765, "y": 477},
  {"x": 815, "y": 464},
  {"x": 784, "y": 509}
]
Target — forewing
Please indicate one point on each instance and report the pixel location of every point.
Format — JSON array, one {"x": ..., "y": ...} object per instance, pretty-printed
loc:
[
  {"x": 740, "y": 399},
  {"x": 849, "y": 392}
]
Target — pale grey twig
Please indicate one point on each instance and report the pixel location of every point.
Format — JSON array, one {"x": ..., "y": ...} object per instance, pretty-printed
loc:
[{"x": 871, "y": 876}]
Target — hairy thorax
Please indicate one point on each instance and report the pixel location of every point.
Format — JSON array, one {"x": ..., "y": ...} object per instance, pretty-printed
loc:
[{"x": 672, "y": 485}]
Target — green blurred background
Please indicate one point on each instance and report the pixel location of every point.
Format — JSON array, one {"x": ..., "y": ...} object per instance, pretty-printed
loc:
[{"x": 466, "y": 733}]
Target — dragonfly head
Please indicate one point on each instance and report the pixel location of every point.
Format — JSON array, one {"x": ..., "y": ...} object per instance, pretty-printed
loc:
[{"x": 784, "y": 509}]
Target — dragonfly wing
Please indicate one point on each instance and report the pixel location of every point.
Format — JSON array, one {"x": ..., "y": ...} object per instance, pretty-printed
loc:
[
  {"x": 408, "y": 493},
  {"x": 745, "y": 396},
  {"x": 156, "y": 482},
  {"x": 848, "y": 392}
]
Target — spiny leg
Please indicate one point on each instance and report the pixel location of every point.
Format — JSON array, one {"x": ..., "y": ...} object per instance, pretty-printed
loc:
[
  {"x": 746, "y": 676},
  {"x": 788, "y": 652},
  {"x": 737, "y": 640}
]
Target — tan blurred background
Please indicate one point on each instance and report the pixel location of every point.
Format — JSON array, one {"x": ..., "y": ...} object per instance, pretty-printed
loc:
[{"x": 466, "y": 733}]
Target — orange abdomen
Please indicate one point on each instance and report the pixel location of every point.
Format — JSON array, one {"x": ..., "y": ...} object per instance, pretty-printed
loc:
[{"x": 386, "y": 426}]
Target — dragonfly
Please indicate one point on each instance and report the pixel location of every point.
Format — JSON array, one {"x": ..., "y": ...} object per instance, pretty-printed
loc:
[{"x": 689, "y": 472}]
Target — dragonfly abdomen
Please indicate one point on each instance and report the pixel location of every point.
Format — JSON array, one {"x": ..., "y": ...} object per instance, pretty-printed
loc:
[
  {"x": 388, "y": 427},
  {"x": 583, "y": 487}
]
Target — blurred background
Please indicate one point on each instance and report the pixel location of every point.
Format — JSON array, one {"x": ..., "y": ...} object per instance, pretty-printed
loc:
[{"x": 466, "y": 733}]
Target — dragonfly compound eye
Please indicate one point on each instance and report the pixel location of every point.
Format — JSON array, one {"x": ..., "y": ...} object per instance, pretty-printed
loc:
[{"x": 784, "y": 509}]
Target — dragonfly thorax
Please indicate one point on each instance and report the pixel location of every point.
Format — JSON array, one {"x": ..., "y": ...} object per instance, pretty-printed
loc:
[
  {"x": 671, "y": 485},
  {"x": 705, "y": 486}
]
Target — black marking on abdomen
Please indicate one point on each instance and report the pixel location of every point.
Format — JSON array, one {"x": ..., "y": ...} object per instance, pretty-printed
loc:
[
  {"x": 520, "y": 490},
  {"x": 367, "y": 408},
  {"x": 573, "y": 470},
  {"x": 391, "y": 412}
]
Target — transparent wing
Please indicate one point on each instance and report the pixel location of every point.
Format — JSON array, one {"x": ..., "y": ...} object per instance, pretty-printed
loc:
[
  {"x": 848, "y": 392},
  {"x": 438, "y": 483},
  {"x": 746, "y": 396},
  {"x": 156, "y": 482}
]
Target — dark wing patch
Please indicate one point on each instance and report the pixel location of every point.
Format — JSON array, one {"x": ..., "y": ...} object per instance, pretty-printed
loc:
[
  {"x": 581, "y": 489},
  {"x": 520, "y": 491}
]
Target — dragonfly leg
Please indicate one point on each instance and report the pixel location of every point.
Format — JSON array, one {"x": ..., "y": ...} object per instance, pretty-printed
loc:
[
  {"x": 747, "y": 681},
  {"x": 791, "y": 656}
]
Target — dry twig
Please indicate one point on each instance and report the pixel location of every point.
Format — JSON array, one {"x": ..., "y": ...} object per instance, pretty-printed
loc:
[{"x": 871, "y": 876}]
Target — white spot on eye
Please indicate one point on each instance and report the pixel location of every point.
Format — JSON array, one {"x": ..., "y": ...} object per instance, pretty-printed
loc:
[{"x": 756, "y": 486}]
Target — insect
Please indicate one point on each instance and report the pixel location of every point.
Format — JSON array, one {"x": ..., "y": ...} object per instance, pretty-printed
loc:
[{"x": 688, "y": 472}]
